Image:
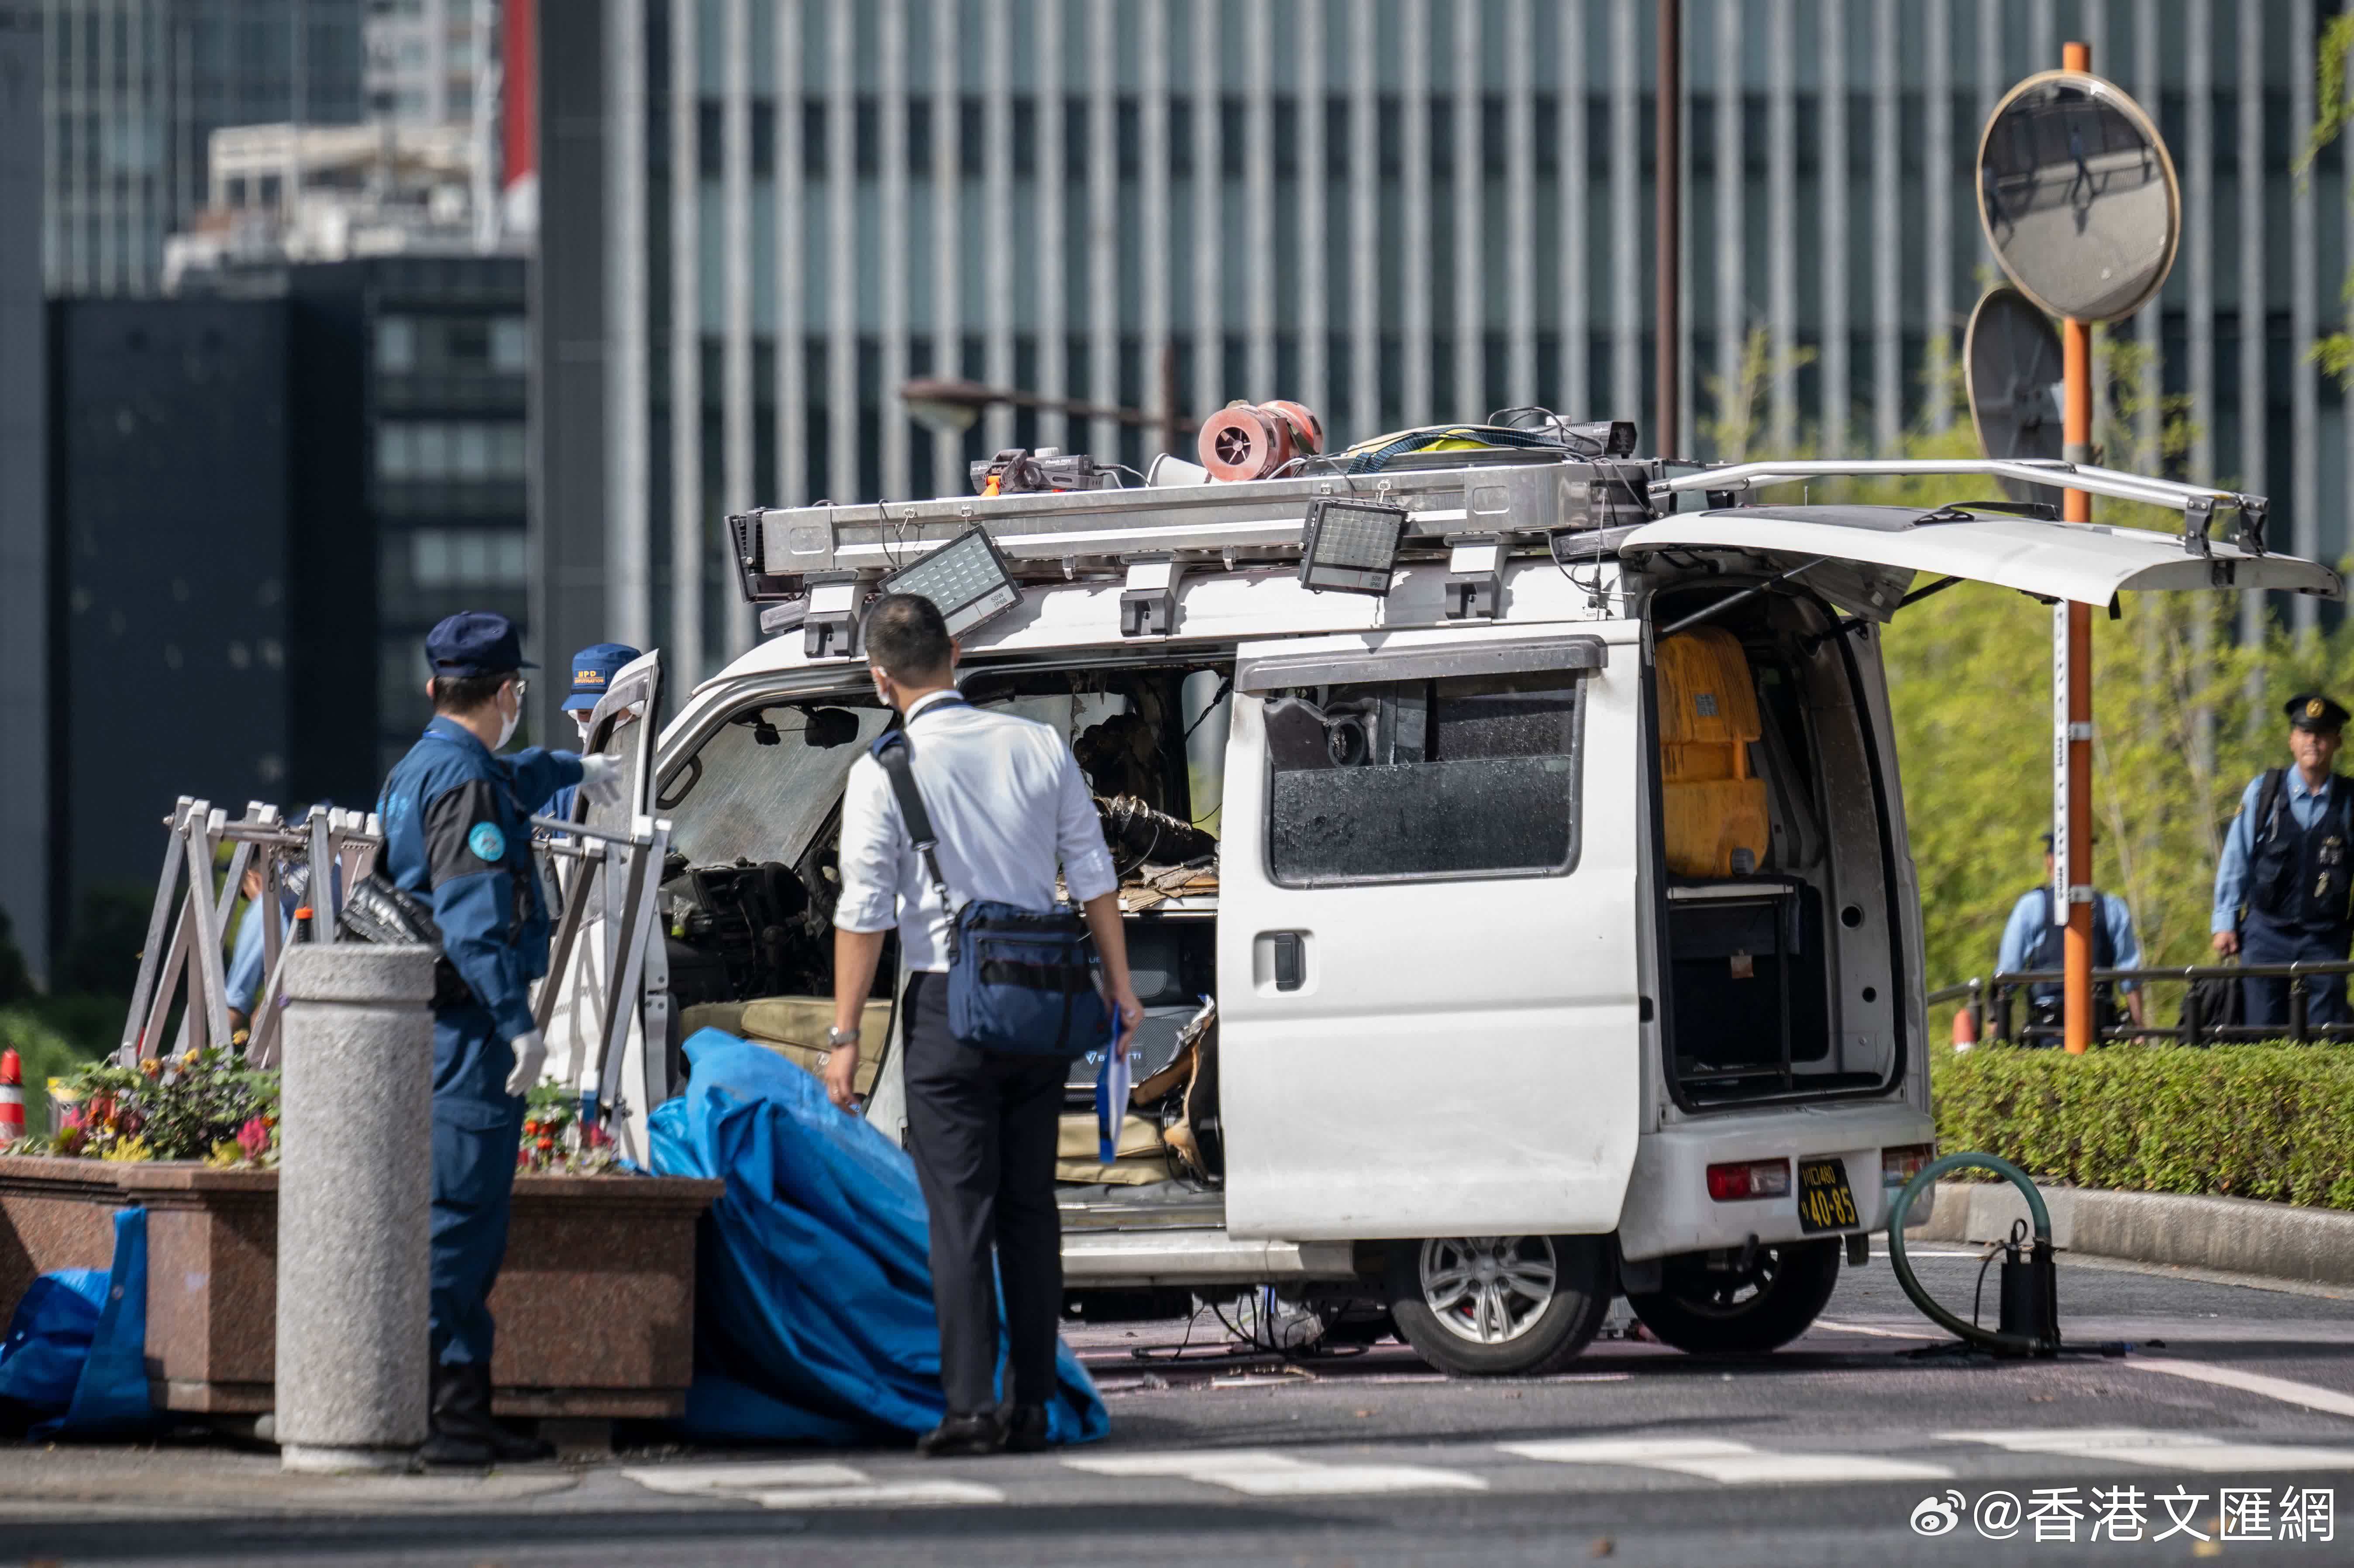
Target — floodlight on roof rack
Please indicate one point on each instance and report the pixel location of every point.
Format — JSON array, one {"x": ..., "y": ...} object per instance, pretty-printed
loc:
[
  {"x": 1349, "y": 546},
  {"x": 967, "y": 578}
]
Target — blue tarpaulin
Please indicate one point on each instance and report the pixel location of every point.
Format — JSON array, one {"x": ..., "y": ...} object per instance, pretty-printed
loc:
[
  {"x": 813, "y": 1295},
  {"x": 75, "y": 1352}
]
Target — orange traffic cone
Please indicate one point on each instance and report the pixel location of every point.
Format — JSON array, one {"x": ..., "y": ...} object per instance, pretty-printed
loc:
[
  {"x": 1966, "y": 1029},
  {"x": 12, "y": 1098}
]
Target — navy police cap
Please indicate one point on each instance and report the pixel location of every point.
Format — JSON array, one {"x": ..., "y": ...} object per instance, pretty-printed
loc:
[
  {"x": 593, "y": 669},
  {"x": 475, "y": 642},
  {"x": 2311, "y": 710}
]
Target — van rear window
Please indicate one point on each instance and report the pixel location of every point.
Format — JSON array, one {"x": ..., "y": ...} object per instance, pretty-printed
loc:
[{"x": 1467, "y": 777}]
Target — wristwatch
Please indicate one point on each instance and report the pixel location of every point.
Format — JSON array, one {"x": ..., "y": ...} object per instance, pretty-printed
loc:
[{"x": 837, "y": 1037}]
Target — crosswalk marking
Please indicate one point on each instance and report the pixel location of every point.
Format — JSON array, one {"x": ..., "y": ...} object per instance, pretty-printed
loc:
[
  {"x": 2161, "y": 1450},
  {"x": 1719, "y": 1459},
  {"x": 1257, "y": 1472},
  {"x": 887, "y": 1494},
  {"x": 809, "y": 1483}
]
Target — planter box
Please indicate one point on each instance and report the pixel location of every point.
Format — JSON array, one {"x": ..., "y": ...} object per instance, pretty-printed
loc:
[{"x": 595, "y": 1303}]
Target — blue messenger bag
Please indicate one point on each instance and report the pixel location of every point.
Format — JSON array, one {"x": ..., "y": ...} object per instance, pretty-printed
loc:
[{"x": 1020, "y": 981}]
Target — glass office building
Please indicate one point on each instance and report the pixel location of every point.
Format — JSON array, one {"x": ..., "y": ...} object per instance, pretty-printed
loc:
[
  {"x": 131, "y": 92},
  {"x": 761, "y": 219}
]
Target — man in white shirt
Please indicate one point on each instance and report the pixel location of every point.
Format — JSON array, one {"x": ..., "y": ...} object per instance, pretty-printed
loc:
[{"x": 1008, "y": 805}]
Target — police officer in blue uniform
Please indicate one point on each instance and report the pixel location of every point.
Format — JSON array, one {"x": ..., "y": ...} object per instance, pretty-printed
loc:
[
  {"x": 2282, "y": 888},
  {"x": 456, "y": 833},
  {"x": 593, "y": 669}
]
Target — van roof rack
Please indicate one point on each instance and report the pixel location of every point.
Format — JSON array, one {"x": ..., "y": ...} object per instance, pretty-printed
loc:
[
  {"x": 1055, "y": 535},
  {"x": 813, "y": 564},
  {"x": 2197, "y": 502}
]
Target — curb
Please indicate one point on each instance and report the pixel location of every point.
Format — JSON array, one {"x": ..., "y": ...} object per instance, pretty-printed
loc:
[{"x": 2236, "y": 1236}]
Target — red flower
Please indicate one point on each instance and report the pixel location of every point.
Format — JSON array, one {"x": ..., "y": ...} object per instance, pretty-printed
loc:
[{"x": 253, "y": 1138}]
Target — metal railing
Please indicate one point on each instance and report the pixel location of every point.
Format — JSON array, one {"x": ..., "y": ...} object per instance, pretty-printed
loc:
[{"x": 1994, "y": 1000}]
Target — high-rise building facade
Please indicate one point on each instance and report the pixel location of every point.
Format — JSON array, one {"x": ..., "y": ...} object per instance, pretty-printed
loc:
[
  {"x": 134, "y": 90},
  {"x": 759, "y": 220},
  {"x": 25, "y": 871},
  {"x": 429, "y": 62}
]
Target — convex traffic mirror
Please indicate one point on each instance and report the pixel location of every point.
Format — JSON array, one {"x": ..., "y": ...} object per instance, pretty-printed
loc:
[{"x": 2077, "y": 196}]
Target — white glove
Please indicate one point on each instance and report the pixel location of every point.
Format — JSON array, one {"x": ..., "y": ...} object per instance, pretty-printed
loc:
[
  {"x": 530, "y": 1060},
  {"x": 601, "y": 779}
]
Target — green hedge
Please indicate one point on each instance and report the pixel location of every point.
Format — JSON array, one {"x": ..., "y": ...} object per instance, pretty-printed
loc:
[{"x": 2275, "y": 1122}]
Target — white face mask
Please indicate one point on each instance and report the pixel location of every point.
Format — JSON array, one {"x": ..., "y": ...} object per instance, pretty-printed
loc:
[{"x": 508, "y": 720}]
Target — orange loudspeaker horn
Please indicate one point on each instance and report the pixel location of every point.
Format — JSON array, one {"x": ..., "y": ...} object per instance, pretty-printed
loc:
[{"x": 1244, "y": 441}]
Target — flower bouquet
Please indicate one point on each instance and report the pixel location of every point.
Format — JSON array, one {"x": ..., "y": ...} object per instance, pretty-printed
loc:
[{"x": 556, "y": 1142}]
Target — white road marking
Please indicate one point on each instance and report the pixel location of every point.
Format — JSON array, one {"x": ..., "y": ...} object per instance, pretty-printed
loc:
[
  {"x": 2286, "y": 1390},
  {"x": 809, "y": 1483},
  {"x": 2161, "y": 1450},
  {"x": 1257, "y": 1472},
  {"x": 689, "y": 1479},
  {"x": 1734, "y": 1464},
  {"x": 1838, "y": 1328},
  {"x": 887, "y": 1494}
]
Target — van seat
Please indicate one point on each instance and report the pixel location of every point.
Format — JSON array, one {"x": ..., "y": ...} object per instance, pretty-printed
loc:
[
  {"x": 794, "y": 1027},
  {"x": 1714, "y": 813},
  {"x": 1142, "y": 1158}
]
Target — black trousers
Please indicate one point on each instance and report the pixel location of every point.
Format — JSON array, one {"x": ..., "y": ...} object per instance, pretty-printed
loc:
[
  {"x": 982, "y": 1130},
  {"x": 2264, "y": 941}
]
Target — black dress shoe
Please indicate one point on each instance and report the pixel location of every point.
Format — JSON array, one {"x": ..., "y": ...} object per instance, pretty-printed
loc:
[
  {"x": 464, "y": 1431},
  {"x": 1026, "y": 1428},
  {"x": 507, "y": 1447},
  {"x": 447, "y": 1450},
  {"x": 963, "y": 1436}
]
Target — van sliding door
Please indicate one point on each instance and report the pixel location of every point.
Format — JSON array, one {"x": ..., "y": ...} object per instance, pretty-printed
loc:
[{"x": 1428, "y": 971}]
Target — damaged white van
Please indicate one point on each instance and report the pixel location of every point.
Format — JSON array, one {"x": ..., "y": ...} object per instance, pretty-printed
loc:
[{"x": 1512, "y": 846}]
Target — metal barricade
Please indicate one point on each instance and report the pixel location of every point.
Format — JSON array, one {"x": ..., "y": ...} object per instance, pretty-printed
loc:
[{"x": 1993, "y": 1002}]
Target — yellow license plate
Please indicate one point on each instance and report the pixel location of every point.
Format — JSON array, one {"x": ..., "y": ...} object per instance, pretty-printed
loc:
[{"x": 1825, "y": 1204}]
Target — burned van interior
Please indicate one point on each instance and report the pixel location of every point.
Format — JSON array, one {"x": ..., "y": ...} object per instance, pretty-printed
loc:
[
  {"x": 1780, "y": 957},
  {"x": 750, "y": 889}
]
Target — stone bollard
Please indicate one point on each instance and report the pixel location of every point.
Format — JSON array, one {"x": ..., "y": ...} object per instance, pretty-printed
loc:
[{"x": 354, "y": 1191}]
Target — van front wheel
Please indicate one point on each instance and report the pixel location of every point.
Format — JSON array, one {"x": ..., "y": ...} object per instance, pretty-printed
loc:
[
  {"x": 1498, "y": 1305},
  {"x": 1733, "y": 1309}
]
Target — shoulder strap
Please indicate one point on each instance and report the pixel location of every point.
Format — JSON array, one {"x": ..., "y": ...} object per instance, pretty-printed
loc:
[
  {"x": 897, "y": 758},
  {"x": 2268, "y": 800}
]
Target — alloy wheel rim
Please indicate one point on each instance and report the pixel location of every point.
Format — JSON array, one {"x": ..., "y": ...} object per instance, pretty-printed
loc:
[{"x": 1488, "y": 1291}]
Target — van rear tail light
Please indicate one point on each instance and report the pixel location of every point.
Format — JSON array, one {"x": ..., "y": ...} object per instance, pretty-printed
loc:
[
  {"x": 1898, "y": 1166},
  {"x": 1749, "y": 1178}
]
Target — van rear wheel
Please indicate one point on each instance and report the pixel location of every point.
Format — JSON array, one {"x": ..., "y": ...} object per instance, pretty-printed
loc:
[
  {"x": 1739, "y": 1310},
  {"x": 1498, "y": 1305}
]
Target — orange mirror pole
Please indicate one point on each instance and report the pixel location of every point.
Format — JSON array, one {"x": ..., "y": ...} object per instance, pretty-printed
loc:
[{"x": 2076, "y": 874}]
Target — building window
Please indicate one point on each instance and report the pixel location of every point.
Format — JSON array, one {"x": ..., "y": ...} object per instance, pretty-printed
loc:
[
  {"x": 510, "y": 344},
  {"x": 442, "y": 450},
  {"x": 466, "y": 341},
  {"x": 236, "y": 190},
  {"x": 396, "y": 345},
  {"x": 467, "y": 558},
  {"x": 269, "y": 186}
]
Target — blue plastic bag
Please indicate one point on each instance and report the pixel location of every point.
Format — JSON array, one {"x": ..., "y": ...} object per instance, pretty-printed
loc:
[
  {"x": 814, "y": 1298},
  {"x": 49, "y": 1338},
  {"x": 76, "y": 1347}
]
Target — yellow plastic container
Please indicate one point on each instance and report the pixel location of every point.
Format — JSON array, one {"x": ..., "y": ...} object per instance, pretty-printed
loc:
[{"x": 1714, "y": 809}]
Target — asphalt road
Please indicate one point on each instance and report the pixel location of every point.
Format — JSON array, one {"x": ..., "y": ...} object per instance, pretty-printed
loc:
[{"x": 1821, "y": 1455}]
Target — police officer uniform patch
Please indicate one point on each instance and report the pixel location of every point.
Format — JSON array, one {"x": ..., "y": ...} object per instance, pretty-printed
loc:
[{"x": 487, "y": 842}]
